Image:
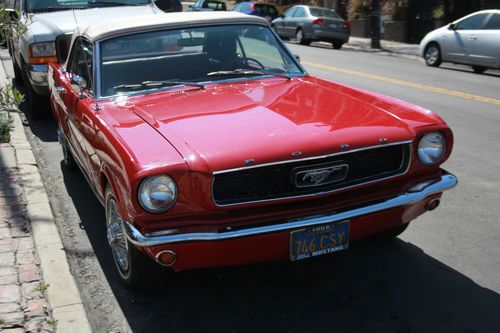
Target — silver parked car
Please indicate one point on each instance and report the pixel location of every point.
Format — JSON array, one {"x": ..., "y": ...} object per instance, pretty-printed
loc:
[
  {"x": 472, "y": 40},
  {"x": 309, "y": 24}
]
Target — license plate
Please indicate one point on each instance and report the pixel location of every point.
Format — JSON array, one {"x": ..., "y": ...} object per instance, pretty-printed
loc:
[
  {"x": 319, "y": 240},
  {"x": 333, "y": 26}
]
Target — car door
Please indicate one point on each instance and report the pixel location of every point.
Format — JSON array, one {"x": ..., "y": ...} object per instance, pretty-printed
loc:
[
  {"x": 284, "y": 24},
  {"x": 461, "y": 40},
  {"x": 76, "y": 104},
  {"x": 297, "y": 20},
  {"x": 487, "y": 48}
]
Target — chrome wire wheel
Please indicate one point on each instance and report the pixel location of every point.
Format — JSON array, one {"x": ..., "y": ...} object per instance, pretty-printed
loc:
[
  {"x": 117, "y": 239},
  {"x": 432, "y": 55}
]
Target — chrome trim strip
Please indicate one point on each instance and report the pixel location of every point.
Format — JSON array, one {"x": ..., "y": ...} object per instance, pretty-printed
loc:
[
  {"x": 446, "y": 182},
  {"x": 324, "y": 192},
  {"x": 310, "y": 158}
]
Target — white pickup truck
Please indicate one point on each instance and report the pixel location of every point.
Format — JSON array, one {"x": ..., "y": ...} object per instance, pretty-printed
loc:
[{"x": 48, "y": 20}]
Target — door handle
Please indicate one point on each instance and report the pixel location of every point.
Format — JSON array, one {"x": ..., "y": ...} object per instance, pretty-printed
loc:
[
  {"x": 60, "y": 89},
  {"x": 472, "y": 37}
]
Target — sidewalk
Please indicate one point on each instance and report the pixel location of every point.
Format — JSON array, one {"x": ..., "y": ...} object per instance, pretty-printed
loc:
[
  {"x": 388, "y": 47},
  {"x": 37, "y": 291}
]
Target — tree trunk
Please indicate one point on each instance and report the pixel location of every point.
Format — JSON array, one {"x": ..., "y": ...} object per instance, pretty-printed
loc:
[{"x": 375, "y": 20}]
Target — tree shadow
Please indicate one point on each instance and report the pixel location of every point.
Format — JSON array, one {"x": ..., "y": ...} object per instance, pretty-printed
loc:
[{"x": 374, "y": 286}]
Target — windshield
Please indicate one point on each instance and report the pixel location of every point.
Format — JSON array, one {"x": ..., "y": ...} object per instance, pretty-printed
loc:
[
  {"x": 323, "y": 12},
  {"x": 37, "y": 6},
  {"x": 192, "y": 55}
]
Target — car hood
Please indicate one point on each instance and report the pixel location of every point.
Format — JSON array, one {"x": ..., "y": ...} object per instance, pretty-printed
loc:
[
  {"x": 46, "y": 26},
  {"x": 222, "y": 126}
]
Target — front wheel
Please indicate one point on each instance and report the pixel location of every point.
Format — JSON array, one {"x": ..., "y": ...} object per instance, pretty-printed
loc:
[
  {"x": 299, "y": 37},
  {"x": 135, "y": 270},
  {"x": 432, "y": 55},
  {"x": 479, "y": 69}
]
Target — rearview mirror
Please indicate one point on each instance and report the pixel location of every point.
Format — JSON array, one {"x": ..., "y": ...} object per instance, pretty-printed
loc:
[{"x": 297, "y": 58}]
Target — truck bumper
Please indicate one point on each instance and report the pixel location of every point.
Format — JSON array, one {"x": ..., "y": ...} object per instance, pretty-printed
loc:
[{"x": 37, "y": 74}]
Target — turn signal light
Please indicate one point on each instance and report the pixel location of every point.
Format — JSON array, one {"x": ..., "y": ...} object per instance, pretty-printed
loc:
[
  {"x": 347, "y": 25},
  {"x": 42, "y": 60},
  {"x": 166, "y": 258}
]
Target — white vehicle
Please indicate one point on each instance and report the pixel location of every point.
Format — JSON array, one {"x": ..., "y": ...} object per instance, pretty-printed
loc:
[
  {"x": 472, "y": 40},
  {"x": 48, "y": 21}
]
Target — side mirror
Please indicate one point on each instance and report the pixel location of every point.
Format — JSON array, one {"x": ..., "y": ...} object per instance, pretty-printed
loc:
[
  {"x": 14, "y": 16},
  {"x": 62, "y": 46},
  {"x": 190, "y": 6},
  {"x": 452, "y": 26},
  {"x": 297, "y": 58},
  {"x": 79, "y": 83},
  {"x": 282, "y": 16}
]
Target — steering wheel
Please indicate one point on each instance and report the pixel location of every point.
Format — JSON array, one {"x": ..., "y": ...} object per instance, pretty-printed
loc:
[{"x": 246, "y": 61}]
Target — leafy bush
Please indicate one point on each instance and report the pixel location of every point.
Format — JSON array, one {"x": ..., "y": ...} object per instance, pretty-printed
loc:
[
  {"x": 359, "y": 8},
  {"x": 396, "y": 9},
  {"x": 10, "y": 98}
]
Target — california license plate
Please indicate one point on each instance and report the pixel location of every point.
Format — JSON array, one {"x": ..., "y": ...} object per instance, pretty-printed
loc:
[{"x": 319, "y": 240}]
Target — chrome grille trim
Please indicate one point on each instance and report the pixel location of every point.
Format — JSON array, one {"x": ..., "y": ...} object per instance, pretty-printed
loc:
[{"x": 410, "y": 152}]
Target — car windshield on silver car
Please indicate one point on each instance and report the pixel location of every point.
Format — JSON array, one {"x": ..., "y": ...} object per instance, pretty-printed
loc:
[
  {"x": 37, "y": 6},
  {"x": 191, "y": 57}
]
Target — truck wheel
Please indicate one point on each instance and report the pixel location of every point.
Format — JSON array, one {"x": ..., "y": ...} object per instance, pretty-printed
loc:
[
  {"x": 18, "y": 75},
  {"x": 135, "y": 269}
]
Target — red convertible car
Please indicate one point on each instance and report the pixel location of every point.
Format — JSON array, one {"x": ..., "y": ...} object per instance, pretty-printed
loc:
[{"x": 210, "y": 145}]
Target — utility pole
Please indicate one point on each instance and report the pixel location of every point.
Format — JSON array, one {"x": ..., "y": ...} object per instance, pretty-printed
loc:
[{"x": 375, "y": 23}]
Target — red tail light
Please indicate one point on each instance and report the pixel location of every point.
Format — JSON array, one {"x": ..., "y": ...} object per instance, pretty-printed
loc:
[
  {"x": 318, "y": 21},
  {"x": 347, "y": 25}
]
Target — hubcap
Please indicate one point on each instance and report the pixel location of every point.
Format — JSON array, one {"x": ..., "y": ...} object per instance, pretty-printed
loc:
[
  {"x": 432, "y": 54},
  {"x": 116, "y": 236},
  {"x": 299, "y": 36}
]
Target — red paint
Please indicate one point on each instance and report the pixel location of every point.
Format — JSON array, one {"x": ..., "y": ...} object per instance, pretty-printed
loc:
[{"x": 188, "y": 134}]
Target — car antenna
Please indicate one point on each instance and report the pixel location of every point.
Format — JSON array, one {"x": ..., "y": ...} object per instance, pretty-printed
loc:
[{"x": 87, "y": 67}]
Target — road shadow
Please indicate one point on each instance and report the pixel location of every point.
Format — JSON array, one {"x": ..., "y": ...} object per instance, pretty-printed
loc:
[
  {"x": 469, "y": 70},
  {"x": 374, "y": 286}
]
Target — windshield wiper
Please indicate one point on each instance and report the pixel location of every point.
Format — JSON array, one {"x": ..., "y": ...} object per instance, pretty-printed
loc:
[
  {"x": 157, "y": 84},
  {"x": 247, "y": 72},
  {"x": 56, "y": 9},
  {"x": 104, "y": 3}
]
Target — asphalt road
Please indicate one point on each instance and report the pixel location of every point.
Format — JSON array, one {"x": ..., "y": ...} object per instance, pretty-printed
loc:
[{"x": 442, "y": 274}]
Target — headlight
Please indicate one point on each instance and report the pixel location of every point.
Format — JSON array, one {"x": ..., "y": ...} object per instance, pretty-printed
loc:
[
  {"x": 157, "y": 194},
  {"x": 431, "y": 148},
  {"x": 47, "y": 49}
]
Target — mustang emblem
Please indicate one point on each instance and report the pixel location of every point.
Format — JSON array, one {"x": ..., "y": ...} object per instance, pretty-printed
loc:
[
  {"x": 317, "y": 177},
  {"x": 321, "y": 175}
]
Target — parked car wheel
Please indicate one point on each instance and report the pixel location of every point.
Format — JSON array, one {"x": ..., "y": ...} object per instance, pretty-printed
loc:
[
  {"x": 37, "y": 106},
  {"x": 337, "y": 45},
  {"x": 18, "y": 75},
  {"x": 299, "y": 37},
  {"x": 69, "y": 160},
  {"x": 479, "y": 69},
  {"x": 432, "y": 55},
  {"x": 134, "y": 268}
]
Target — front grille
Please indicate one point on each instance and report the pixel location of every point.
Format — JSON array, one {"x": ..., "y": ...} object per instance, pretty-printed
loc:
[{"x": 277, "y": 181}]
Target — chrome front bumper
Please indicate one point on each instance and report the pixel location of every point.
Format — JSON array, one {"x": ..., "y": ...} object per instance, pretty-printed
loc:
[
  {"x": 38, "y": 78},
  {"x": 415, "y": 194}
]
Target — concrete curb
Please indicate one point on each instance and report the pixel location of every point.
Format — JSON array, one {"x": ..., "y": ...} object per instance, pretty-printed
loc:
[{"x": 62, "y": 294}]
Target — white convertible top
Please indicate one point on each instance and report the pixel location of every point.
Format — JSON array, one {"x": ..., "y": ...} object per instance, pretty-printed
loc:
[{"x": 111, "y": 28}]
